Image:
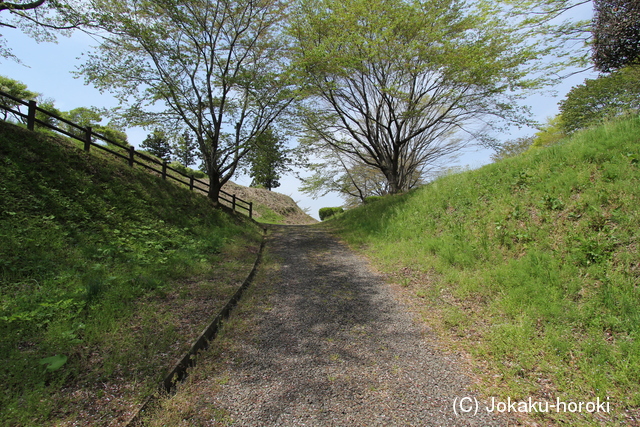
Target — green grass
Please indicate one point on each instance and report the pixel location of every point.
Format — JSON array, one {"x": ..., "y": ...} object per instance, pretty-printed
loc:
[
  {"x": 267, "y": 215},
  {"x": 92, "y": 255},
  {"x": 530, "y": 265}
]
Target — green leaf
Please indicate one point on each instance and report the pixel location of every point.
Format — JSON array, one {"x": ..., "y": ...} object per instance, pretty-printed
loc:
[{"x": 54, "y": 362}]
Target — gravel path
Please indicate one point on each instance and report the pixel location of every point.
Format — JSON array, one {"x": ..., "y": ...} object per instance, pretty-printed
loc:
[{"x": 333, "y": 347}]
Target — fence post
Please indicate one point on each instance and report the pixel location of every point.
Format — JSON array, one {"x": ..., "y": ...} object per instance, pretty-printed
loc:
[
  {"x": 164, "y": 169},
  {"x": 250, "y": 209},
  {"x": 132, "y": 152},
  {"x": 31, "y": 115},
  {"x": 87, "y": 138},
  {"x": 234, "y": 202},
  {"x": 191, "y": 183}
]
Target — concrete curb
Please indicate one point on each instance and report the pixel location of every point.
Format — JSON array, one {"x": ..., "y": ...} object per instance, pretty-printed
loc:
[{"x": 179, "y": 371}]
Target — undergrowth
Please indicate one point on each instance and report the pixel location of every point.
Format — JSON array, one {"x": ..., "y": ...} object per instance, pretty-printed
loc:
[
  {"x": 531, "y": 266},
  {"x": 83, "y": 240}
]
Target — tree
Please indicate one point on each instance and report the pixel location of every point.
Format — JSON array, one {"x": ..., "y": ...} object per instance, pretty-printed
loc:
[
  {"x": 114, "y": 133},
  {"x": 215, "y": 68},
  {"x": 41, "y": 19},
  {"x": 267, "y": 160},
  {"x": 4, "y": 5},
  {"x": 354, "y": 184},
  {"x": 157, "y": 143},
  {"x": 549, "y": 133},
  {"x": 49, "y": 106},
  {"x": 351, "y": 178},
  {"x": 92, "y": 117},
  {"x": 400, "y": 85},
  {"x": 553, "y": 23},
  {"x": 83, "y": 117},
  {"x": 616, "y": 32},
  {"x": 17, "y": 90},
  {"x": 512, "y": 148},
  {"x": 602, "y": 98},
  {"x": 184, "y": 149}
]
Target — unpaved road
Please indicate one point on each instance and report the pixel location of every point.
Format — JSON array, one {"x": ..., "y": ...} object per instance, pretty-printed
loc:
[{"x": 327, "y": 345}]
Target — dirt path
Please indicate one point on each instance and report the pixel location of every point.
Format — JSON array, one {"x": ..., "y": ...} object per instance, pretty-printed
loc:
[{"x": 325, "y": 343}]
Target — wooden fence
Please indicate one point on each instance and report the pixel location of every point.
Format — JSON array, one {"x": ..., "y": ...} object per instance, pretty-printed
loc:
[{"x": 128, "y": 153}]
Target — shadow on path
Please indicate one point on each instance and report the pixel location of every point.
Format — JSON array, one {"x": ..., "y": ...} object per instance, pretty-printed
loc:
[{"x": 336, "y": 349}]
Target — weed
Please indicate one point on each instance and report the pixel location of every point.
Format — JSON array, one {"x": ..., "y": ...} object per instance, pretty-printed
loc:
[
  {"x": 521, "y": 180},
  {"x": 552, "y": 203}
]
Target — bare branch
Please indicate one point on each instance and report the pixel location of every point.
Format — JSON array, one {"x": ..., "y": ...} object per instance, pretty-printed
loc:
[
  {"x": 20, "y": 6},
  {"x": 213, "y": 67}
]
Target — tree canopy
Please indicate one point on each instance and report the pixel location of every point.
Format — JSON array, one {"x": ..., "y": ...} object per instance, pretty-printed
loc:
[
  {"x": 409, "y": 82},
  {"x": 41, "y": 19},
  {"x": 267, "y": 160},
  {"x": 352, "y": 179},
  {"x": 157, "y": 143},
  {"x": 554, "y": 24},
  {"x": 83, "y": 116},
  {"x": 602, "y": 98},
  {"x": 512, "y": 148},
  {"x": 616, "y": 34},
  {"x": 17, "y": 90},
  {"x": 184, "y": 149},
  {"x": 214, "y": 68}
]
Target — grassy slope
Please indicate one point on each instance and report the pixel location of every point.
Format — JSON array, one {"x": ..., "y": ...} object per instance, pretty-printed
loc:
[
  {"x": 530, "y": 265},
  {"x": 108, "y": 266},
  {"x": 271, "y": 206}
]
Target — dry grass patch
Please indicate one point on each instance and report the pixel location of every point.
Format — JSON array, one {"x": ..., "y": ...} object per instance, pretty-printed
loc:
[
  {"x": 142, "y": 350},
  {"x": 194, "y": 401}
]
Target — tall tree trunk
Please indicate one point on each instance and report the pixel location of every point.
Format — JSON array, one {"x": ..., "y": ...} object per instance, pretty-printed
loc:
[
  {"x": 394, "y": 182},
  {"x": 214, "y": 190}
]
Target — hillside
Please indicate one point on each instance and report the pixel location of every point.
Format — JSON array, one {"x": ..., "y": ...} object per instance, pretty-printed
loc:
[
  {"x": 529, "y": 266},
  {"x": 107, "y": 275},
  {"x": 271, "y": 206}
]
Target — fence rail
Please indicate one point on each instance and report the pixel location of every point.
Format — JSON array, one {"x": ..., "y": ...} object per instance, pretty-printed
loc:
[{"x": 128, "y": 153}]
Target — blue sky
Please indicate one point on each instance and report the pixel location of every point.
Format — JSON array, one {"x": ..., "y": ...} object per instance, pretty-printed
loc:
[{"x": 47, "y": 69}]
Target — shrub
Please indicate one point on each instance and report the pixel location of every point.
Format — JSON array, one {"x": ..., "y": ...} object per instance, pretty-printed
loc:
[
  {"x": 603, "y": 98},
  {"x": 550, "y": 133},
  {"x": 371, "y": 199},
  {"x": 187, "y": 171},
  {"x": 329, "y": 212}
]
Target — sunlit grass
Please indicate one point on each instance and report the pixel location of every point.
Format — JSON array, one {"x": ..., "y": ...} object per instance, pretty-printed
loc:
[{"x": 530, "y": 264}]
